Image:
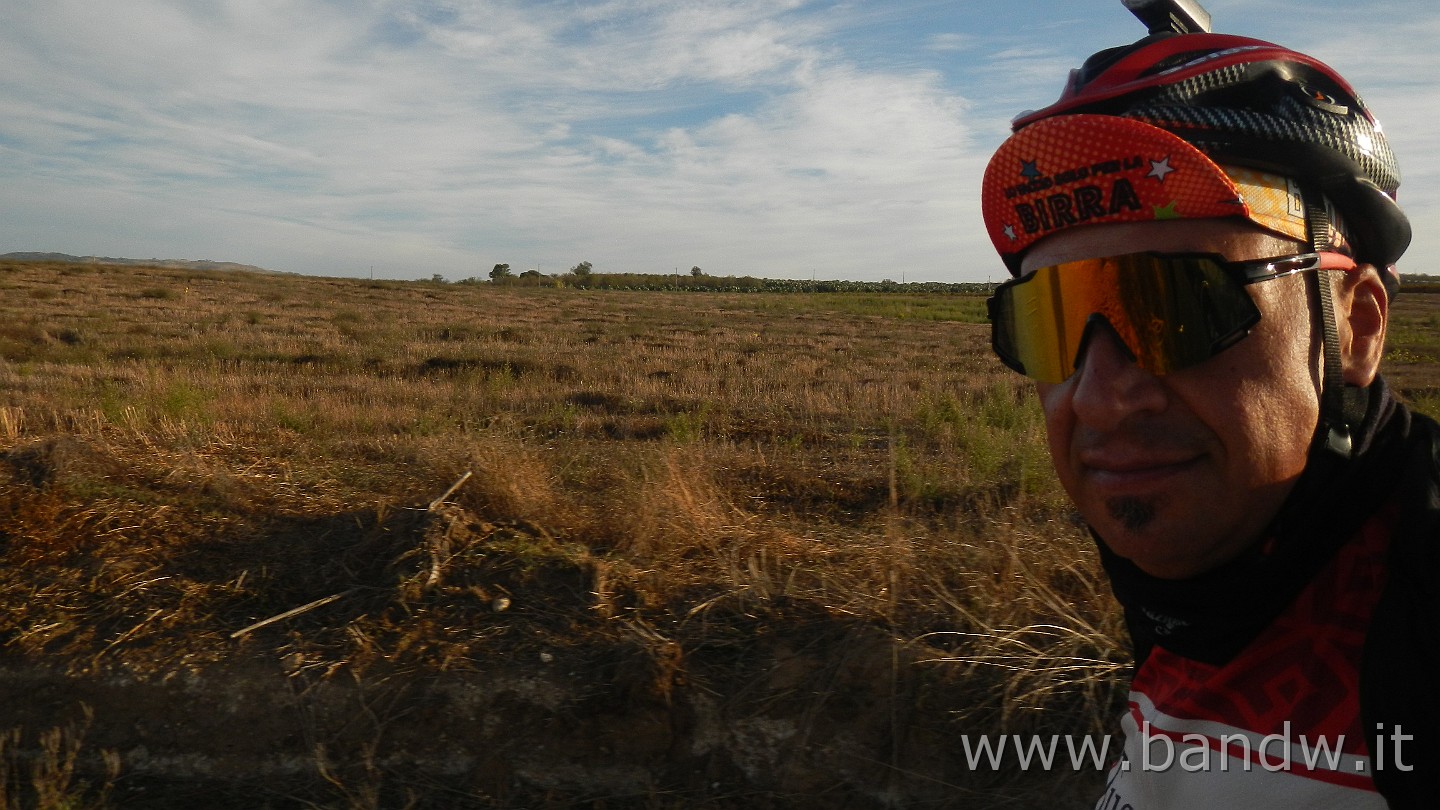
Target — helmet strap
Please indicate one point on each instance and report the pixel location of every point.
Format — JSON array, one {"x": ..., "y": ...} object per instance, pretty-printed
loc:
[
  {"x": 1334, "y": 427},
  {"x": 1333, "y": 418}
]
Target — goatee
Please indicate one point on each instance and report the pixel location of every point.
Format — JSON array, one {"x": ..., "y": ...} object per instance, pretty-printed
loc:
[{"x": 1132, "y": 513}]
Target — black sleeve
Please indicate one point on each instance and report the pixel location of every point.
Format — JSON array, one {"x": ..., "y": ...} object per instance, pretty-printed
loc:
[{"x": 1400, "y": 674}]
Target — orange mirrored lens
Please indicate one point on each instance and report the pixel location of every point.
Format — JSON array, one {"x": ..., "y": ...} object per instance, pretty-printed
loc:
[{"x": 1169, "y": 311}]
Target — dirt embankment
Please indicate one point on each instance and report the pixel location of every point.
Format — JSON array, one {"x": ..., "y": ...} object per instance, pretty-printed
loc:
[{"x": 429, "y": 658}]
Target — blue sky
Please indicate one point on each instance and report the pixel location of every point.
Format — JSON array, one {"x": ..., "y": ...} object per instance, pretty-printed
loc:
[{"x": 779, "y": 138}]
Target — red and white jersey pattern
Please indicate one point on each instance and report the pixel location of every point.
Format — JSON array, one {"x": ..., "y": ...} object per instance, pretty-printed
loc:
[{"x": 1277, "y": 726}]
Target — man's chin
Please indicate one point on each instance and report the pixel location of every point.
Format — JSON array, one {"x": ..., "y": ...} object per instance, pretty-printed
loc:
[{"x": 1134, "y": 529}]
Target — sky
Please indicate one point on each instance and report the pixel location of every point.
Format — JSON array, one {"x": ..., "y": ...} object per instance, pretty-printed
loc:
[{"x": 409, "y": 138}]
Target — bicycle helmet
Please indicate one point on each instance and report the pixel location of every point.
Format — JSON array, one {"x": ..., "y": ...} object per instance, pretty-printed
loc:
[{"x": 1249, "y": 103}]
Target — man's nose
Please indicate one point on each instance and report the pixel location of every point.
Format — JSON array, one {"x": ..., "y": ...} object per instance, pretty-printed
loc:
[{"x": 1109, "y": 386}]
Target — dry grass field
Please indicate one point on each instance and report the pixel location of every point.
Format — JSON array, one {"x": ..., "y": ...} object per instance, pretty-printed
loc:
[{"x": 282, "y": 541}]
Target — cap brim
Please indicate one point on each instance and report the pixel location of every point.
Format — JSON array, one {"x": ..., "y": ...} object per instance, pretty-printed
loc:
[{"x": 1077, "y": 170}]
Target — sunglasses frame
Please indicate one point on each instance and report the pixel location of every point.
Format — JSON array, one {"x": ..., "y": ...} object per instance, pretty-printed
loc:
[{"x": 1244, "y": 273}]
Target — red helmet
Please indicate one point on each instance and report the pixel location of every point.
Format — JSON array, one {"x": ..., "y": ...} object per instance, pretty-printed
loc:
[{"x": 1250, "y": 103}]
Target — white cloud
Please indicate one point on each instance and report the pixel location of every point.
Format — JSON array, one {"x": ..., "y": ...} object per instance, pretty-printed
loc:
[
  {"x": 952, "y": 42},
  {"x": 791, "y": 184}
]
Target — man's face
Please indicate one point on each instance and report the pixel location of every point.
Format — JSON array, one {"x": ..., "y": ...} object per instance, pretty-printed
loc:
[{"x": 1180, "y": 473}]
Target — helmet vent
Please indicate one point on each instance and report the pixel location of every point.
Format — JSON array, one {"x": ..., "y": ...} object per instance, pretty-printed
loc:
[{"x": 1321, "y": 100}]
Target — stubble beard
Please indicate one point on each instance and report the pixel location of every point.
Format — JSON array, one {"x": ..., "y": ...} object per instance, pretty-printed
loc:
[{"x": 1131, "y": 513}]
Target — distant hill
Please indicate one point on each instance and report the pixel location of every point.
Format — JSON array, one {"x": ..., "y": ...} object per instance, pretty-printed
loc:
[{"x": 179, "y": 264}]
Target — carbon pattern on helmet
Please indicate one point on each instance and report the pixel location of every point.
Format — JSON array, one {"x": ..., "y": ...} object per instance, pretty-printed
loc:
[
  {"x": 1280, "y": 118},
  {"x": 1232, "y": 134}
]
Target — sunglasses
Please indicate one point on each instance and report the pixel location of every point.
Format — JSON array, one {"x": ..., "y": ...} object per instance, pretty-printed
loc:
[{"x": 1171, "y": 311}]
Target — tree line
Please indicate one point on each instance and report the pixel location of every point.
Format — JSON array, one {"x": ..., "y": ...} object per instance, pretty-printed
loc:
[{"x": 583, "y": 276}]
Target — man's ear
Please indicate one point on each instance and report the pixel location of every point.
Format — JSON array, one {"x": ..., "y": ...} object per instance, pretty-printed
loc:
[{"x": 1361, "y": 312}]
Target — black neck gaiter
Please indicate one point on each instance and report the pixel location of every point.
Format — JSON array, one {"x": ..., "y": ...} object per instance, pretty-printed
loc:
[{"x": 1211, "y": 617}]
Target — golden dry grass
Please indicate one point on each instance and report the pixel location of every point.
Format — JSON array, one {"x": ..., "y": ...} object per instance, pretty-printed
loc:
[{"x": 668, "y": 482}]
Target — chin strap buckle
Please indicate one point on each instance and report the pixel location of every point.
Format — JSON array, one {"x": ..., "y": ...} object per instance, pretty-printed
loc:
[{"x": 1337, "y": 441}]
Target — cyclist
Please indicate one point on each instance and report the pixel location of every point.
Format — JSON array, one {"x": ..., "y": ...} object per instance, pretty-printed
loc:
[{"x": 1202, "y": 233}]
